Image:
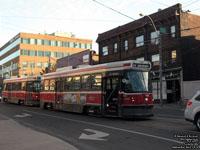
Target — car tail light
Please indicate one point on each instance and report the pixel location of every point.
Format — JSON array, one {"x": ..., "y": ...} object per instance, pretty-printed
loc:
[{"x": 189, "y": 103}]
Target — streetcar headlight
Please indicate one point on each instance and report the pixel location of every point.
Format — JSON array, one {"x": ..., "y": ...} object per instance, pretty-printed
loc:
[
  {"x": 107, "y": 105},
  {"x": 133, "y": 100},
  {"x": 146, "y": 99}
]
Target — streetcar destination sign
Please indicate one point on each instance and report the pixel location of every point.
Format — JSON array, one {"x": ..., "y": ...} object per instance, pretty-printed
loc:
[{"x": 141, "y": 65}]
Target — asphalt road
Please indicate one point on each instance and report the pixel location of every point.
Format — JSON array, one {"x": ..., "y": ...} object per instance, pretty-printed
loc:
[{"x": 96, "y": 133}]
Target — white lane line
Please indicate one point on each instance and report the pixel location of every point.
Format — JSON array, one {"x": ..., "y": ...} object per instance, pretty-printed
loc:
[{"x": 109, "y": 127}]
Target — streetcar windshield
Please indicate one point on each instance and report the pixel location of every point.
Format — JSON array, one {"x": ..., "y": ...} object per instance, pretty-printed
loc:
[{"x": 136, "y": 81}]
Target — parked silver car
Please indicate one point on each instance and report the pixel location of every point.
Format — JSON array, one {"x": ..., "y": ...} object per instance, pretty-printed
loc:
[{"x": 192, "y": 111}]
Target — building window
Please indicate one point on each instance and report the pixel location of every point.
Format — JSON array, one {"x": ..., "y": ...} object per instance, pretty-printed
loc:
[
  {"x": 39, "y": 53},
  {"x": 59, "y": 54},
  {"x": 115, "y": 47},
  {"x": 39, "y": 42},
  {"x": 47, "y": 42},
  {"x": 24, "y": 64},
  {"x": 46, "y": 54},
  {"x": 46, "y": 65},
  {"x": 32, "y": 64},
  {"x": 24, "y": 52},
  {"x": 77, "y": 45},
  {"x": 155, "y": 59},
  {"x": 32, "y": 53},
  {"x": 65, "y": 44},
  {"x": 140, "y": 41},
  {"x": 141, "y": 58},
  {"x": 65, "y": 54},
  {"x": 172, "y": 31},
  {"x": 53, "y": 43},
  {"x": 32, "y": 41},
  {"x": 25, "y": 40},
  {"x": 53, "y": 54},
  {"x": 105, "y": 50},
  {"x": 88, "y": 46},
  {"x": 59, "y": 43},
  {"x": 173, "y": 56},
  {"x": 126, "y": 45},
  {"x": 39, "y": 65},
  {"x": 71, "y": 44},
  {"x": 154, "y": 37},
  {"x": 83, "y": 45}
]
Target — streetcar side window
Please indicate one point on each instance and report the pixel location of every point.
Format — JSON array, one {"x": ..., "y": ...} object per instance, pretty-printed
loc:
[
  {"x": 68, "y": 83},
  {"x": 76, "y": 83},
  {"x": 86, "y": 84},
  {"x": 46, "y": 85},
  {"x": 16, "y": 86},
  {"x": 9, "y": 86},
  {"x": 23, "y": 86},
  {"x": 52, "y": 85},
  {"x": 96, "y": 81}
]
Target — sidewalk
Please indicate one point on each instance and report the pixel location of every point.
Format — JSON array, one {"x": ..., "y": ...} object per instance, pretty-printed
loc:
[
  {"x": 169, "y": 111},
  {"x": 13, "y": 136}
]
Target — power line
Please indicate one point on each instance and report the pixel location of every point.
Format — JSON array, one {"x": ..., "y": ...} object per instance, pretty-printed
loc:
[
  {"x": 160, "y": 3},
  {"x": 195, "y": 9},
  {"x": 61, "y": 19},
  {"x": 191, "y": 3},
  {"x": 114, "y": 10}
]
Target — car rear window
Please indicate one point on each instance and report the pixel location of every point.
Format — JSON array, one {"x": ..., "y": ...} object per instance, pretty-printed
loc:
[{"x": 197, "y": 98}]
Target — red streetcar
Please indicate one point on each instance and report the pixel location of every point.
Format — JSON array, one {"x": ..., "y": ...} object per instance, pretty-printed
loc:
[
  {"x": 121, "y": 89},
  {"x": 24, "y": 90}
]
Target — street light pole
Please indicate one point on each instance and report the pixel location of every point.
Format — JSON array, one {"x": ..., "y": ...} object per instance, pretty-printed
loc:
[{"x": 160, "y": 55}]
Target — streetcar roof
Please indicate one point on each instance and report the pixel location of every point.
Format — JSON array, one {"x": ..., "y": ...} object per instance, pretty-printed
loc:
[
  {"x": 28, "y": 78},
  {"x": 113, "y": 66}
]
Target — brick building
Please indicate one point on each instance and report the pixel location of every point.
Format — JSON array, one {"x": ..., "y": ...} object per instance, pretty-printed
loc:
[
  {"x": 27, "y": 54},
  {"x": 180, "y": 49},
  {"x": 87, "y": 57}
]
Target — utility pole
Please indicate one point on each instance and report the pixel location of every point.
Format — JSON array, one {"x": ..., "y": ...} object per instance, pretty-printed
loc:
[{"x": 160, "y": 68}]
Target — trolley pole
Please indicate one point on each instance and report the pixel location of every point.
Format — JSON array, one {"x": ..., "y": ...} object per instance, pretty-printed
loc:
[{"x": 160, "y": 56}]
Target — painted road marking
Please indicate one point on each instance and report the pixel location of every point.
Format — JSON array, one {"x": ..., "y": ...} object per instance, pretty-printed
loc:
[
  {"x": 96, "y": 136},
  {"x": 23, "y": 115},
  {"x": 109, "y": 127}
]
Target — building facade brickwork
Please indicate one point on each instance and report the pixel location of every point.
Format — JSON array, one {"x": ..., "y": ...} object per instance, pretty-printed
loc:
[{"x": 180, "y": 48}]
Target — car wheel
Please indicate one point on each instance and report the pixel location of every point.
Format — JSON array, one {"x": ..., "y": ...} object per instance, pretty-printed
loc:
[{"x": 197, "y": 122}]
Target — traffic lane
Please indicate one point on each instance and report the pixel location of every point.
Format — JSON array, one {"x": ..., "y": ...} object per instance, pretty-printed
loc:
[
  {"x": 56, "y": 127},
  {"x": 118, "y": 138},
  {"x": 78, "y": 126}
]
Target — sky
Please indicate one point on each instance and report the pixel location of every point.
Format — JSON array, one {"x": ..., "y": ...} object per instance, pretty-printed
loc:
[{"x": 84, "y": 18}]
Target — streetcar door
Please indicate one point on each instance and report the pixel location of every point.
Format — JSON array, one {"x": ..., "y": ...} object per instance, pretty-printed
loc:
[
  {"x": 59, "y": 95},
  {"x": 9, "y": 91},
  {"x": 29, "y": 90},
  {"x": 111, "y": 87}
]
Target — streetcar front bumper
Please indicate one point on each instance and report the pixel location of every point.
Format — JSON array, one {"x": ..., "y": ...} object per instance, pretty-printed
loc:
[{"x": 138, "y": 111}]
